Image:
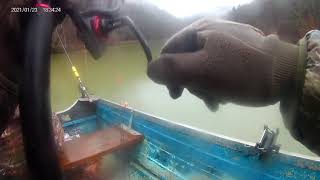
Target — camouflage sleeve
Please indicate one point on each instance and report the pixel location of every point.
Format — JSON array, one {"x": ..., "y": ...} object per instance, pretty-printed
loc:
[{"x": 302, "y": 115}]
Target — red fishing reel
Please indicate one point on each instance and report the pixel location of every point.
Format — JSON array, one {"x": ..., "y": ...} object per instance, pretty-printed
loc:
[
  {"x": 102, "y": 26},
  {"x": 95, "y": 24}
]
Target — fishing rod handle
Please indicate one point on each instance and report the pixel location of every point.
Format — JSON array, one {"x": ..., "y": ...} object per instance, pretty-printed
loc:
[
  {"x": 143, "y": 42},
  {"x": 105, "y": 26},
  {"x": 39, "y": 145}
]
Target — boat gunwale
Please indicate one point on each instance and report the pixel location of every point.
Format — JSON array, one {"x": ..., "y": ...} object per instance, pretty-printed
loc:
[{"x": 196, "y": 131}]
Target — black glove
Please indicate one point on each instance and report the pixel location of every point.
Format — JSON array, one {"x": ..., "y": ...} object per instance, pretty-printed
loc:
[{"x": 222, "y": 61}]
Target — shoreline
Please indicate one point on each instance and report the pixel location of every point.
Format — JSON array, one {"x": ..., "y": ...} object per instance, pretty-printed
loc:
[{"x": 77, "y": 47}]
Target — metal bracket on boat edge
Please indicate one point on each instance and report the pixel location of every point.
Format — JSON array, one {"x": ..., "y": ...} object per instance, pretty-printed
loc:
[{"x": 267, "y": 143}]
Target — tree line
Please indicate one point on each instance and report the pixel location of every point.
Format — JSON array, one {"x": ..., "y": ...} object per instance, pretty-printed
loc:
[
  {"x": 290, "y": 19},
  {"x": 154, "y": 23}
]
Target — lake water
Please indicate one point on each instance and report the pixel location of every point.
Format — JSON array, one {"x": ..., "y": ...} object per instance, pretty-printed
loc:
[{"x": 120, "y": 76}]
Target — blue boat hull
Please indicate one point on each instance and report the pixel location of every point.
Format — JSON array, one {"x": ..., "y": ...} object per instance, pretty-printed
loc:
[{"x": 174, "y": 151}]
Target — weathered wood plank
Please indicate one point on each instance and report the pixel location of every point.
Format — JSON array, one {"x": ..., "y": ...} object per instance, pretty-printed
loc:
[{"x": 92, "y": 146}]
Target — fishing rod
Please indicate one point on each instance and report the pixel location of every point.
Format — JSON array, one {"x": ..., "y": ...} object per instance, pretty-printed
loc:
[
  {"x": 101, "y": 24},
  {"x": 39, "y": 146}
]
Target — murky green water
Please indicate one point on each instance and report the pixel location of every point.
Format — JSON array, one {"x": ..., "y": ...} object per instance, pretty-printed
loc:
[{"x": 120, "y": 76}]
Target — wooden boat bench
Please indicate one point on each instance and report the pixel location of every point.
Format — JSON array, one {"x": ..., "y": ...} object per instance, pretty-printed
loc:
[{"x": 91, "y": 147}]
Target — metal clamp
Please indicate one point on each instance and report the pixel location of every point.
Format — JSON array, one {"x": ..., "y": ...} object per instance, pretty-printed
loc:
[{"x": 267, "y": 143}]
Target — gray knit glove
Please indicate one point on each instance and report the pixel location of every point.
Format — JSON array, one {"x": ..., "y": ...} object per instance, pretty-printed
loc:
[{"x": 222, "y": 61}]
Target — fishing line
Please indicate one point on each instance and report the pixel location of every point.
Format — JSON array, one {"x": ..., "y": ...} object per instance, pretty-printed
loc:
[
  {"x": 83, "y": 88},
  {"x": 64, "y": 49}
]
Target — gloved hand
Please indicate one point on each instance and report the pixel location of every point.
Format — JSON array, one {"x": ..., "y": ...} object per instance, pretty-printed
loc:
[{"x": 222, "y": 61}]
